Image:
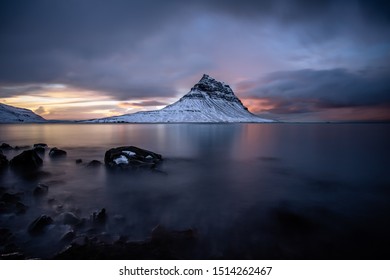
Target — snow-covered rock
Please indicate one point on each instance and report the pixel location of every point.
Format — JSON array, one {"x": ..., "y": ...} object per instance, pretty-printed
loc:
[
  {"x": 10, "y": 114},
  {"x": 208, "y": 101}
]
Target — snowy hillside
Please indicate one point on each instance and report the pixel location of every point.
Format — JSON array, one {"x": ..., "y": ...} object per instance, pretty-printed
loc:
[
  {"x": 10, "y": 114},
  {"x": 208, "y": 101}
]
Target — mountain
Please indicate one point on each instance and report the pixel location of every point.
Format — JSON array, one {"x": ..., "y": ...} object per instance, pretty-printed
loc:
[
  {"x": 209, "y": 101},
  {"x": 10, "y": 114}
]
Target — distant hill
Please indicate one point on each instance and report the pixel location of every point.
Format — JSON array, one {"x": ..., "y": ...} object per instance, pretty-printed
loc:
[{"x": 10, "y": 114}]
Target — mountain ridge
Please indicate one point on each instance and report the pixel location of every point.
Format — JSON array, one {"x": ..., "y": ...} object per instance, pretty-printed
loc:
[
  {"x": 11, "y": 114},
  {"x": 208, "y": 101}
]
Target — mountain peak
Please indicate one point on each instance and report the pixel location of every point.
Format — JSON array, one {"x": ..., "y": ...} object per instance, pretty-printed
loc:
[{"x": 211, "y": 86}]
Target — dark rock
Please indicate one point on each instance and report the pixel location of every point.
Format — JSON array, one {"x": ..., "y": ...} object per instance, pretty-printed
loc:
[
  {"x": 41, "y": 189},
  {"x": 78, "y": 161},
  {"x": 10, "y": 198},
  {"x": 40, "y": 150},
  {"x": 130, "y": 156},
  {"x": 99, "y": 217},
  {"x": 68, "y": 237},
  {"x": 10, "y": 203},
  {"x": 20, "y": 208},
  {"x": 70, "y": 218},
  {"x": 55, "y": 152},
  {"x": 39, "y": 224},
  {"x": 5, "y": 146},
  {"x": 43, "y": 145},
  {"x": 94, "y": 163},
  {"x": 28, "y": 160},
  {"x": 165, "y": 245},
  {"x": 25, "y": 147},
  {"x": 3, "y": 161}
]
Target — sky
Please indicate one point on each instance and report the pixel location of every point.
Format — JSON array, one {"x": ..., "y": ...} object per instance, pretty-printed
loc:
[{"x": 289, "y": 60}]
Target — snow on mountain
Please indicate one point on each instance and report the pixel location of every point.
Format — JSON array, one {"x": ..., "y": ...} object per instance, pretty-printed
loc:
[
  {"x": 10, "y": 114},
  {"x": 208, "y": 101}
]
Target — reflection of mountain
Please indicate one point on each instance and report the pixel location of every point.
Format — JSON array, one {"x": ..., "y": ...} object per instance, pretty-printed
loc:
[
  {"x": 10, "y": 114},
  {"x": 208, "y": 101}
]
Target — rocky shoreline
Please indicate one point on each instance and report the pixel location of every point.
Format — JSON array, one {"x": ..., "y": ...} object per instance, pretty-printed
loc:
[{"x": 86, "y": 237}]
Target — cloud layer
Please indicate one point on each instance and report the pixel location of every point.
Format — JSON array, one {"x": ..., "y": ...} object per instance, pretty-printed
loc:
[{"x": 300, "y": 55}]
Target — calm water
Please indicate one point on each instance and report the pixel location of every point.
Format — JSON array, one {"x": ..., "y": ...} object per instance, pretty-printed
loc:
[{"x": 250, "y": 190}]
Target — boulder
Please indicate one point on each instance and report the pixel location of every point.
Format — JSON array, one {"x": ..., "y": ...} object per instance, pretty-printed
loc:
[
  {"x": 43, "y": 145},
  {"x": 39, "y": 224},
  {"x": 3, "y": 161},
  {"x": 130, "y": 156},
  {"x": 26, "y": 160},
  {"x": 69, "y": 218},
  {"x": 40, "y": 150},
  {"x": 78, "y": 161},
  {"x": 94, "y": 163},
  {"x": 55, "y": 152},
  {"x": 5, "y": 146}
]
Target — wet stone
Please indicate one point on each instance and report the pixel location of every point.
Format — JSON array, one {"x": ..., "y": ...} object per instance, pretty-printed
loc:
[
  {"x": 39, "y": 224},
  {"x": 55, "y": 152}
]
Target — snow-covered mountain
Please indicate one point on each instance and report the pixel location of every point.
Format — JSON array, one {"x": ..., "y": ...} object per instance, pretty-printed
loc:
[
  {"x": 10, "y": 114},
  {"x": 208, "y": 101}
]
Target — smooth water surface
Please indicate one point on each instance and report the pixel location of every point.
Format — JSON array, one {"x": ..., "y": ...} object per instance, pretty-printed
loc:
[{"x": 250, "y": 190}]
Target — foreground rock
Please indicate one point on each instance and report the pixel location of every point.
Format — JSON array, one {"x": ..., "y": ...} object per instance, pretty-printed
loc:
[
  {"x": 131, "y": 157},
  {"x": 39, "y": 224},
  {"x": 5, "y": 146},
  {"x": 28, "y": 160},
  {"x": 3, "y": 161},
  {"x": 163, "y": 244},
  {"x": 55, "y": 153}
]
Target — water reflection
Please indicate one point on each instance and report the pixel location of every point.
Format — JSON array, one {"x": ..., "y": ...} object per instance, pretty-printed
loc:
[{"x": 251, "y": 191}]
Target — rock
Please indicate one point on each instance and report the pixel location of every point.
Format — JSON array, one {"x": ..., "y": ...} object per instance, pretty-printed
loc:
[
  {"x": 40, "y": 150},
  {"x": 41, "y": 189},
  {"x": 130, "y": 156},
  {"x": 39, "y": 224},
  {"x": 70, "y": 218},
  {"x": 5, "y": 146},
  {"x": 10, "y": 203},
  {"x": 68, "y": 237},
  {"x": 25, "y": 147},
  {"x": 55, "y": 152},
  {"x": 99, "y": 217},
  {"x": 43, "y": 145},
  {"x": 28, "y": 160},
  {"x": 94, "y": 163},
  {"x": 78, "y": 161},
  {"x": 3, "y": 161}
]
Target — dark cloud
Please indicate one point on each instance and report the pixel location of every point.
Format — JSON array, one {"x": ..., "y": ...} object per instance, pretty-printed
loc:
[{"x": 312, "y": 90}]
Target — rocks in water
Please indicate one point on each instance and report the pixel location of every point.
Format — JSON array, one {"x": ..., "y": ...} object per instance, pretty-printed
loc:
[
  {"x": 3, "y": 161},
  {"x": 69, "y": 218},
  {"x": 27, "y": 160},
  {"x": 43, "y": 145},
  {"x": 25, "y": 147},
  {"x": 130, "y": 156},
  {"x": 41, "y": 189},
  {"x": 5, "y": 146},
  {"x": 11, "y": 203},
  {"x": 164, "y": 244},
  {"x": 78, "y": 161},
  {"x": 94, "y": 163},
  {"x": 55, "y": 153},
  {"x": 39, "y": 224},
  {"x": 99, "y": 217},
  {"x": 68, "y": 237},
  {"x": 40, "y": 150}
]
